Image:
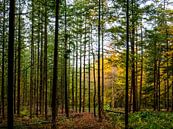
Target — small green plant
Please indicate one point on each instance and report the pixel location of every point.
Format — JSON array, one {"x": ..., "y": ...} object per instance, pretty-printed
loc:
[
  {"x": 24, "y": 112},
  {"x": 117, "y": 120},
  {"x": 107, "y": 107},
  {"x": 151, "y": 120}
]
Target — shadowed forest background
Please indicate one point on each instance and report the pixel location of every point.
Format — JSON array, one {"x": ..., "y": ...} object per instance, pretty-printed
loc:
[{"x": 81, "y": 64}]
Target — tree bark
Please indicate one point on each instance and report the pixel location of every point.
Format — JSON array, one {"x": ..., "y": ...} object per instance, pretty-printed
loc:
[
  {"x": 55, "y": 67},
  {"x": 65, "y": 65},
  {"x": 19, "y": 56},
  {"x": 127, "y": 65},
  {"x": 141, "y": 74},
  {"x": 99, "y": 30},
  {"x": 3, "y": 62},
  {"x": 10, "y": 63},
  {"x": 133, "y": 60},
  {"x": 76, "y": 99},
  {"x": 45, "y": 60}
]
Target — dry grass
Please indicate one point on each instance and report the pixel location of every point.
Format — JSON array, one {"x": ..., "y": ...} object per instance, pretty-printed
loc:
[
  {"x": 75, "y": 121},
  {"x": 84, "y": 121}
]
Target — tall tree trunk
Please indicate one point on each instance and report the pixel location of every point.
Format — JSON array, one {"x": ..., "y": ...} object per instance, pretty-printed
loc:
[
  {"x": 55, "y": 67},
  {"x": 66, "y": 57},
  {"x": 73, "y": 70},
  {"x": 167, "y": 56},
  {"x": 89, "y": 73},
  {"x": 41, "y": 71},
  {"x": 155, "y": 77},
  {"x": 127, "y": 65},
  {"x": 158, "y": 81},
  {"x": 76, "y": 96},
  {"x": 38, "y": 66},
  {"x": 34, "y": 80},
  {"x": 167, "y": 71},
  {"x": 10, "y": 63},
  {"x": 19, "y": 56},
  {"x": 3, "y": 62},
  {"x": 94, "y": 75},
  {"x": 84, "y": 68},
  {"x": 102, "y": 33},
  {"x": 45, "y": 59},
  {"x": 136, "y": 72},
  {"x": 141, "y": 74},
  {"x": 25, "y": 95},
  {"x": 80, "y": 83},
  {"x": 99, "y": 28},
  {"x": 133, "y": 59},
  {"x": 32, "y": 62},
  {"x": 62, "y": 84},
  {"x": 14, "y": 81}
]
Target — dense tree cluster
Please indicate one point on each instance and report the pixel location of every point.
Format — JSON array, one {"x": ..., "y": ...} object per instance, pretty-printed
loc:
[{"x": 59, "y": 57}]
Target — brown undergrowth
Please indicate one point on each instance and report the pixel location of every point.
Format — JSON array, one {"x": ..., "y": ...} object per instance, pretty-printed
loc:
[
  {"x": 84, "y": 121},
  {"x": 75, "y": 121}
]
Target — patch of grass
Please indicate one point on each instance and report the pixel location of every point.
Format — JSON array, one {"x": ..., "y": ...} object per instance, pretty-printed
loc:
[
  {"x": 144, "y": 120},
  {"x": 117, "y": 120},
  {"x": 151, "y": 120}
]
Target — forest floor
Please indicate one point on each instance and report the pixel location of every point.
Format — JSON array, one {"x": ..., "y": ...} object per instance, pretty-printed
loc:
[
  {"x": 138, "y": 120},
  {"x": 75, "y": 121}
]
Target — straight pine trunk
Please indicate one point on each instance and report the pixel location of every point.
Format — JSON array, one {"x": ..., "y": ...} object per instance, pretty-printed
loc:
[
  {"x": 127, "y": 65},
  {"x": 10, "y": 63},
  {"x": 55, "y": 67},
  {"x": 65, "y": 65},
  {"x": 19, "y": 56},
  {"x": 45, "y": 60},
  {"x": 3, "y": 62}
]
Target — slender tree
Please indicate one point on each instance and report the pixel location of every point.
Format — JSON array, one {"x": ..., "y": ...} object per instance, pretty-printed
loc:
[
  {"x": 19, "y": 56},
  {"x": 66, "y": 57},
  {"x": 55, "y": 67},
  {"x": 99, "y": 30},
  {"x": 84, "y": 68},
  {"x": 102, "y": 33},
  {"x": 89, "y": 75},
  {"x": 45, "y": 58},
  {"x": 80, "y": 83},
  {"x": 94, "y": 76},
  {"x": 38, "y": 64},
  {"x": 127, "y": 64},
  {"x": 76, "y": 95},
  {"x": 73, "y": 76},
  {"x": 10, "y": 63},
  {"x": 32, "y": 61},
  {"x": 133, "y": 59},
  {"x": 141, "y": 74},
  {"x": 3, "y": 61},
  {"x": 41, "y": 70},
  {"x": 15, "y": 76}
]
